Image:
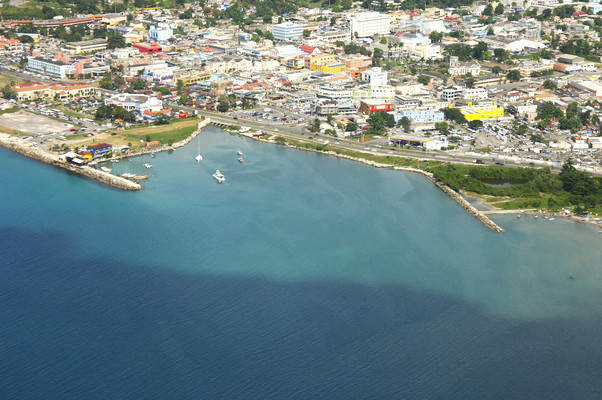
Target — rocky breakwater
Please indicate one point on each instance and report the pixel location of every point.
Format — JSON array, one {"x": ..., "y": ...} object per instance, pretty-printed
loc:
[
  {"x": 25, "y": 148},
  {"x": 469, "y": 207}
]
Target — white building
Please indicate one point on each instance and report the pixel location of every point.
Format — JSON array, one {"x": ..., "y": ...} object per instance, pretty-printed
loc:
[
  {"x": 474, "y": 93},
  {"x": 136, "y": 102},
  {"x": 287, "y": 31},
  {"x": 50, "y": 67},
  {"x": 457, "y": 68},
  {"x": 370, "y": 23},
  {"x": 160, "y": 33},
  {"x": 419, "y": 46},
  {"x": 378, "y": 77}
]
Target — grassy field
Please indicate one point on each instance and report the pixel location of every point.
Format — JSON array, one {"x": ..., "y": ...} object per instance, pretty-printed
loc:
[
  {"x": 166, "y": 134},
  {"x": 138, "y": 136},
  {"x": 9, "y": 110},
  {"x": 5, "y": 80}
]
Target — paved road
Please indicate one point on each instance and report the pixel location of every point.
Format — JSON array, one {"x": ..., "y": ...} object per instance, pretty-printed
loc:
[{"x": 298, "y": 133}]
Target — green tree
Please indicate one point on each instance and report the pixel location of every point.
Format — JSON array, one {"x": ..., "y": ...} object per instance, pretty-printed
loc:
[
  {"x": 315, "y": 126},
  {"x": 488, "y": 11},
  {"x": 8, "y": 92},
  {"x": 550, "y": 85},
  {"x": 223, "y": 106},
  {"x": 436, "y": 37},
  {"x": 513, "y": 75},
  {"x": 405, "y": 123},
  {"x": 442, "y": 127},
  {"x": 351, "y": 127},
  {"x": 138, "y": 84},
  {"x": 425, "y": 80}
]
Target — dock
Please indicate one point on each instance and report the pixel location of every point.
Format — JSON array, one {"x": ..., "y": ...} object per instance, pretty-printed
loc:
[{"x": 21, "y": 146}]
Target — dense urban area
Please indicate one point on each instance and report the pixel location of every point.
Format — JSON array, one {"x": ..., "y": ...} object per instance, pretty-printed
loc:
[{"x": 500, "y": 100}]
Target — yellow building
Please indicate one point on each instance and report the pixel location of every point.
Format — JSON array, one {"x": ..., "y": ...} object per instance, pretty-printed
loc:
[
  {"x": 319, "y": 59},
  {"x": 482, "y": 111},
  {"x": 330, "y": 68},
  {"x": 188, "y": 80},
  {"x": 296, "y": 63}
]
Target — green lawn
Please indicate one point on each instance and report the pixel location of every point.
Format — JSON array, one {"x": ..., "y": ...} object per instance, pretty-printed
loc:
[{"x": 166, "y": 134}]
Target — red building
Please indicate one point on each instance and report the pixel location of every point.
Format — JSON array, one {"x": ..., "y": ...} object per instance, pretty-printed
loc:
[
  {"x": 370, "y": 106},
  {"x": 153, "y": 48}
]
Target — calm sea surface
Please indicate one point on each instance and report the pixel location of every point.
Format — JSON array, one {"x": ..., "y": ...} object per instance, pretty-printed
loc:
[{"x": 302, "y": 277}]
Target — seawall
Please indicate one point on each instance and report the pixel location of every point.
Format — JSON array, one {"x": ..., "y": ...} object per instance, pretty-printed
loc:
[
  {"x": 202, "y": 124},
  {"x": 18, "y": 145}
]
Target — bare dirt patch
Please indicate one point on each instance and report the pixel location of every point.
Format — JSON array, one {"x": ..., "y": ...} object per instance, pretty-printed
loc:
[{"x": 32, "y": 123}]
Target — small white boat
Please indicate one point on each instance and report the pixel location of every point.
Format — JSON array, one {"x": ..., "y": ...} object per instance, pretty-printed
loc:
[
  {"x": 552, "y": 219},
  {"x": 199, "y": 158},
  {"x": 105, "y": 169},
  {"x": 147, "y": 165},
  {"x": 241, "y": 160},
  {"x": 219, "y": 177},
  {"x": 239, "y": 153},
  {"x": 153, "y": 155},
  {"x": 128, "y": 175}
]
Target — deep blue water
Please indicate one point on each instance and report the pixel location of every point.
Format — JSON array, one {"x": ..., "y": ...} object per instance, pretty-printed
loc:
[{"x": 302, "y": 277}]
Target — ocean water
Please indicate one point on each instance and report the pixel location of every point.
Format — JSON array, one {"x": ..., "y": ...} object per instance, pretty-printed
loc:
[{"x": 301, "y": 277}]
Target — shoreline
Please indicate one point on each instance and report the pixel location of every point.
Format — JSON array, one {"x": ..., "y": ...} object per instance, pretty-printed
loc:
[
  {"x": 200, "y": 126},
  {"x": 457, "y": 197},
  {"x": 20, "y": 146},
  {"x": 25, "y": 148}
]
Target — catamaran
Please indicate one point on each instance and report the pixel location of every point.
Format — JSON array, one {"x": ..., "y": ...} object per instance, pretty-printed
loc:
[{"x": 219, "y": 177}]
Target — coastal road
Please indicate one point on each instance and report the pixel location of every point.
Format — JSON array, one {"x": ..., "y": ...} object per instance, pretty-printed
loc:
[{"x": 299, "y": 134}]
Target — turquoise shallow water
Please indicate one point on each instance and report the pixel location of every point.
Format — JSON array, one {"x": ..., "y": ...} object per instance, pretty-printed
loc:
[{"x": 303, "y": 276}]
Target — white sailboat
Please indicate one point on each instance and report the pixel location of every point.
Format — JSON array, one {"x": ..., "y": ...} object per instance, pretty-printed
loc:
[{"x": 199, "y": 157}]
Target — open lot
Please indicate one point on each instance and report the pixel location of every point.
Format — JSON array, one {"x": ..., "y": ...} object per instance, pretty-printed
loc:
[
  {"x": 5, "y": 80},
  {"x": 24, "y": 121}
]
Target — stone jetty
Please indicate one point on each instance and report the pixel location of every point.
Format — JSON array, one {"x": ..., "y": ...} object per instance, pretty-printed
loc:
[{"x": 25, "y": 148}]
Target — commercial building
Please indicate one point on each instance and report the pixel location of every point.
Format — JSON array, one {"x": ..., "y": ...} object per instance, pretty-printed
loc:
[
  {"x": 377, "y": 76},
  {"x": 85, "y": 46},
  {"x": 52, "y": 68},
  {"x": 427, "y": 142},
  {"x": 98, "y": 150},
  {"x": 370, "y": 105},
  {"x": 160, "y": 33},
  {"x": 192, "y": 79},
  {"x": 287, "y": 31},
  {"x": 135, "y": 102},
  {"x": 146, "y": 48},
  {"x": 330, "y": 68},
  {"x": 420, "y": 115},
  {"x": 370, "y": 23},
  {"x": 319, "y": 59},
  {"x": 482, "y": 111}
]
